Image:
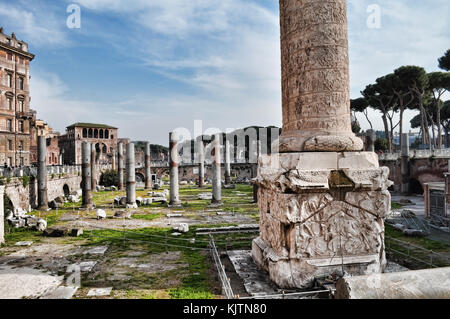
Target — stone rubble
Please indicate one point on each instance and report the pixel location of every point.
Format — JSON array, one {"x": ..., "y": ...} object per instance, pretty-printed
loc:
[{"x": 20, "y": 219}]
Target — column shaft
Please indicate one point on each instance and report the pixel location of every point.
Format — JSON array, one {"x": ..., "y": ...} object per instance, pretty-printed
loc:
[
  {"x": 121, "y": 166},
  {"x": 131, "y": 177},
  {"x": 148, "y": 174},
  {"x": 217, "y": 176},
  {"x": 315, "y": 77},
  {"x": 86, "y": 174},
  {"x": 42, "y": 173},
  {"x": 174, "y": 162}
]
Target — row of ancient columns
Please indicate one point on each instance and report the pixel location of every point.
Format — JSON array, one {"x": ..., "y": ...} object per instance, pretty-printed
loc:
[
  {"x": 88, "y": 181},
  {"x": 90, "y": 172},
  {"x": 174, "y": 161}
]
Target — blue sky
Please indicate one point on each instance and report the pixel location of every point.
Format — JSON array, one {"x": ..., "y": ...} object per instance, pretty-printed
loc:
[{"x": 150, "y": 66}]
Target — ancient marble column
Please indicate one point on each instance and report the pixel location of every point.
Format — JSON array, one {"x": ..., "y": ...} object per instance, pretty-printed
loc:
[
  {"x": 2, "y": 215},
  {"x": 315, "y": 77},
  {"x": 405, "y": 163},
  {"x": 217, "y": 174},
  {"x": 120, "y": 165},
  {"x": 227, "y": 163},
  {"x": 86, "y": 175},
  {"x": 174, "y": 160},
  {"x": 113, "y": 160},
  {"x": 321, "y": 200},
  {"x": 131, "y": 177},
  {"x": 201, "y": 166},
  {"x": 42, "y": 173},
  {"x": 371, "y": 139},
  {"x": 148, "y": 174},
  {"x": 93, "y": 168}
]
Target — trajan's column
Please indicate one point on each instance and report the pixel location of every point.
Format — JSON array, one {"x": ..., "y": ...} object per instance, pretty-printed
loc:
[{"x": 321, "y": 200}]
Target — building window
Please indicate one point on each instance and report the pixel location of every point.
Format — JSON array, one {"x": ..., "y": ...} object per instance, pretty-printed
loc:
[
  {"x": 101, "y": 133},
  {"x": 9, "y": 125},
  {"x": 9, "y": 56},
  {"x": 106, "y": 134},
  {"x": 90, "y": 133},
  {"x": 10, "y": 145},
  {"x": 21, "y": 126},
  {"x": 20, "y": 105},
  {"x": 20, "y": 145},
  {"x": 21, "y": 161},
  {"x": 112, "y": 137},
  {"x": 9, "y": 80},
  {"x": 21, "y": 83},
  {"x": 9, "y": 103},
  {"x": 95, "y": 133}
]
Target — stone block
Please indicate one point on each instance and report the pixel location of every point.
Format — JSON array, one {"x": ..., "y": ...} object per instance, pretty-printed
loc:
[{"x": 315, "y": 223}]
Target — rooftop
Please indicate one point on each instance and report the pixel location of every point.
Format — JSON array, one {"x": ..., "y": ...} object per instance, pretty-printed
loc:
[{"x": 91, "y": 125}]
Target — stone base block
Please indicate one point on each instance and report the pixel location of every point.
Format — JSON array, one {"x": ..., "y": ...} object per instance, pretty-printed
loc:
[
  {"x": 321, "y": 214},
  {"x": 296, "y": 273}
]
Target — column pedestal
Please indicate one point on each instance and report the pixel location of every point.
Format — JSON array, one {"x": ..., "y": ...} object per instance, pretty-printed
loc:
[{"x": 321, "y": 213}]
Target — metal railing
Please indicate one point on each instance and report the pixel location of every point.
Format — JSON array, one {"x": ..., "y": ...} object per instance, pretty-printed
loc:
[
  {"x": 410, "y": 251},
  {"x": 225, "y": 281}
]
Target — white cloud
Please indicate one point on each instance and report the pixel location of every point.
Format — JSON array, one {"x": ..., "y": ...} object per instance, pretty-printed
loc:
[
  {"x": 32, "y": 23},
  {"x": 227, "y": 53}
]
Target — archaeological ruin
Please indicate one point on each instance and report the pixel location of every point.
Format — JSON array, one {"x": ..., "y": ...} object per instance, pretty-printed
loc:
[
  {"x": 325, "y": 207},
  {"x": 322, "y": 200}
]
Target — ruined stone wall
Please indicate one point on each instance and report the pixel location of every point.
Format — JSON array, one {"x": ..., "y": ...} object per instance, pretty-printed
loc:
[
  {"x": 24, "y": 194},
  {"x": 190, "y": 172},
  {"x": 424, "y": 170}
]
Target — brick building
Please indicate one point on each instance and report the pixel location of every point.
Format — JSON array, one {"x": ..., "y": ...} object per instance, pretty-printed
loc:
[
  {"x": 16, "y": 117},
  {"x": 40, "y": 128},
  {"x": 103, "y": 136}
]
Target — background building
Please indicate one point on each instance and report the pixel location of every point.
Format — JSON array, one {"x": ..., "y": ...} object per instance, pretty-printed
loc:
[
  {"x": 15, "y": 114},
  {"x": 103, "y": 136}
]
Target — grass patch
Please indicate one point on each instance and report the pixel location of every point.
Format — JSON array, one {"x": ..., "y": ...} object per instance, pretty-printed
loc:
[
  {"x": 418, "y": 241},
  {"x": 395, "y": 205},
  {"x": 147, "y": 216}
]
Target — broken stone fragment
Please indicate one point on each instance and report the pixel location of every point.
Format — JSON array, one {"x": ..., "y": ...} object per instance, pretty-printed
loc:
[
  {"x": 76, "y": 232},
  {"x": 123, "y": 214},
  {"x": 183, "y": 228},
  {"x": 56, "y": 232},
  {"x": 101, "y": 214}
]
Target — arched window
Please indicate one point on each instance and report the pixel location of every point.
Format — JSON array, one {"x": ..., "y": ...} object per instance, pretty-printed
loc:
[
  {"x": 90, "y": 133},
  {"x": 106, "y": 134},
  {"x": 95, "y": 133},
  {"x": 101, "y": 133},
  {"x": 97, "y": 148},
  {"x": 112, "y": 137},
  {"x": 105, "y": 149},
  {"x": 84, "y": 133}
]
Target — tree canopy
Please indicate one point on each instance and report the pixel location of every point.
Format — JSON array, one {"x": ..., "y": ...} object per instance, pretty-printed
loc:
[{"x": 444, "y": 62}]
